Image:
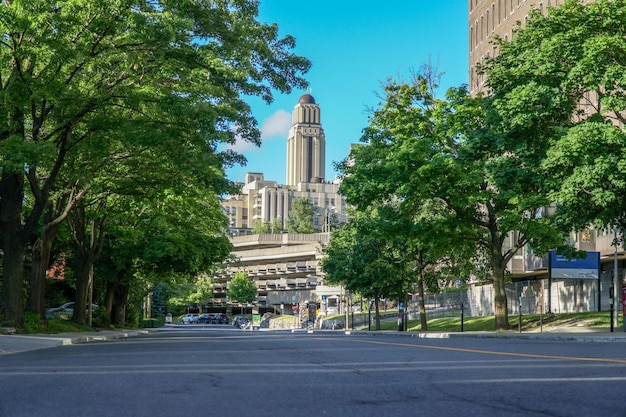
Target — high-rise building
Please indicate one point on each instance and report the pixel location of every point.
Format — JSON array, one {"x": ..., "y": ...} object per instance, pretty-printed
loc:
[
  {"x": 285, "y": 266},
  {"x": 265, "y": 201},
  {"x": 306, "y": 146},
  {"x": 489, "y": 18}
]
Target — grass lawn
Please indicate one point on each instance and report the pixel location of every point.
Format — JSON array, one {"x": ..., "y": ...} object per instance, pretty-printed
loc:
[{"x": 530, "y": 322}]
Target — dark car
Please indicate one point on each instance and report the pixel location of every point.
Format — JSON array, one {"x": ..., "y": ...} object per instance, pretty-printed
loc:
[
  {"x": 220, "y": 319},
  {"x": 241, "y": 322},
  {"x": 205, "y": 319}
]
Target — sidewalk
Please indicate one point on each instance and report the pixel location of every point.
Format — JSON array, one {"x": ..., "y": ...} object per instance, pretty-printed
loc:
[
  {"x": 22, "y": 343},
  {"x": 574, "y": 334}
]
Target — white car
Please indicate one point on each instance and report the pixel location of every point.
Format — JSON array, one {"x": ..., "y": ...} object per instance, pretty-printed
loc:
[
  {"x": 66, "y": 310},
  {"x": 189, "y": 318}
]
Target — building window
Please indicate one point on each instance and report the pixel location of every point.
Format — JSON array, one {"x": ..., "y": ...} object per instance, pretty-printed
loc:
[
  {"x": 476, "y": 32},
  {"x": 487, "y": 27},
  {"x": 482, "y": 28}
]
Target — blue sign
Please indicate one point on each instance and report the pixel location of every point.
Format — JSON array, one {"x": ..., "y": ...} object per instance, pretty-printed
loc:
[{"x": 578, "y": 268}]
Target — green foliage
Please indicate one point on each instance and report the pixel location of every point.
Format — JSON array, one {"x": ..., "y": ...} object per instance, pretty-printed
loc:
[
  {"x": 560, "y": 83},
  {"x": 301, "y": 216},
  {"x": 366, "y": 258},
  {"x": 241, "y": 289},
  {"x": 152, "y": 322},
  {"x": 101, "y": 318},
  {"x": 461, "y": 174},
  {"x": 261, "y": 227},
  {"x": 65, "y": 326},
  {"x": 82, "y": 107},
  {"x": 33, "y": 322}
]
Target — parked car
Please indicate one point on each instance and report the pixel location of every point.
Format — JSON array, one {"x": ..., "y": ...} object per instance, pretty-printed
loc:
[
  {"x": 205, "y": 318},
  {"x": 241, "y": 322},
  {"x": 220, "y": 319},
  {"x": 66, "y": 310},
  {"x": 189, "y": 318}
]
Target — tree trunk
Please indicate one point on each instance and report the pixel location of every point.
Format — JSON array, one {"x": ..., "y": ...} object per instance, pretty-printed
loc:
[
  {"x": 119, "y": 305},
  {"x": 377, "y": 301},
  {"x": 38, "y": 274},
  {"x": 499, "y": 297},
  {"x": 88, "y": 249},
  {"x": 83, "y": 268},
  {"x": 14, "y": 248},
  {"x": 115, "y": 300},
  {"x": 422, "y": 301},
  {"x": 54, "y": 214}
]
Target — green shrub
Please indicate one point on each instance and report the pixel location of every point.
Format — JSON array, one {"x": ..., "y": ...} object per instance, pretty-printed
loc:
[
  {"x": 101, "y": 318},
  {"x": 32, "y": 322},
  {"x": 132, "y": 316},
  {"x": 56, "y": 325},
  {"x": 152, "y": 322}
]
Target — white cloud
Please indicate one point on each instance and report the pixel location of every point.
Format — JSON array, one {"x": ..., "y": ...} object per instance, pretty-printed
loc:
[{"x": 277, "y": 125}]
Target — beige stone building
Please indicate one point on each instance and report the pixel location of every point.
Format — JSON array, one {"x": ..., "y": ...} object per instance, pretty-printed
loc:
[
  {"x": 489, "y": 18},
  {"x": 284, "y": 266},
  {"x": 286, "y": 270},
  {"x": 264, "y": 201}
]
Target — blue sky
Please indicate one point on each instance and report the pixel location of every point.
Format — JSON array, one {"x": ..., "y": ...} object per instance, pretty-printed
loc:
[{"x": 354, "y": 46}]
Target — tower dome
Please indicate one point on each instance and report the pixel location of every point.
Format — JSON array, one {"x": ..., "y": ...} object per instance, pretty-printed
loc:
[{"x": 306, "y": 99}]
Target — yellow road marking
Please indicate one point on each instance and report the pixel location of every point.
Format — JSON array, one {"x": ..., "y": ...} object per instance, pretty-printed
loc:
[{"x": 486, "y": 352}]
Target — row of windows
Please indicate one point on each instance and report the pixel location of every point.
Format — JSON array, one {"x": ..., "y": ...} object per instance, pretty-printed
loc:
[
  {"x": 495, "y": 16},
  {"x": 230, "y": 211},
  {"x": 327, "y": 201}
]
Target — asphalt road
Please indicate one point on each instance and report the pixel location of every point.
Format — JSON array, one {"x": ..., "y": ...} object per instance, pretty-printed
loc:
[{"x": 220, "y": 371}]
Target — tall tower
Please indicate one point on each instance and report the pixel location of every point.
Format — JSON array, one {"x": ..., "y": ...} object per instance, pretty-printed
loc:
[{"x": 306, "y": 145}]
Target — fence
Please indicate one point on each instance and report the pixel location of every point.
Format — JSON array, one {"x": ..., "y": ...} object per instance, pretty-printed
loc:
[{"x": 531, "y": 297}]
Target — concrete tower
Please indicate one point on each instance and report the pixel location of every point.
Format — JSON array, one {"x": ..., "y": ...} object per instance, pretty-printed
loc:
[{"x": 306, "y": 145}]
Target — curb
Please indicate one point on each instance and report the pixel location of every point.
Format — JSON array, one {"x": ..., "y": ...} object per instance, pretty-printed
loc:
[
  {"x": 575, "y": 337},
  {"x": 23, "y": 343}
]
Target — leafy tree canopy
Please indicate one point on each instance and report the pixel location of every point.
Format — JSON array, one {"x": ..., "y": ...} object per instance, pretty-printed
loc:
[
  {"x": 301, "y": 216},
  {"x": 241, "y": 288},
  {"x": 563, "y": 78}
]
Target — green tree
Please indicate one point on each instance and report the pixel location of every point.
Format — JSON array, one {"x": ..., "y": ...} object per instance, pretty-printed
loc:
[
  {"x": 562, "y": 77},
  {"x": 439, "y": 252},
  {"x": 261, "y": 227},
  {"x": 459, "y": 151},
  {"x": 171, "y": 75},
  {"x": 241, "y": 288},
  {"x": 176, "y": 238},
  {"x": 589, "y": 171},
  {"x": 366, "y": 256},
  {"x": 273, "y": 227},
  {"x": 301, "y": 216}
]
